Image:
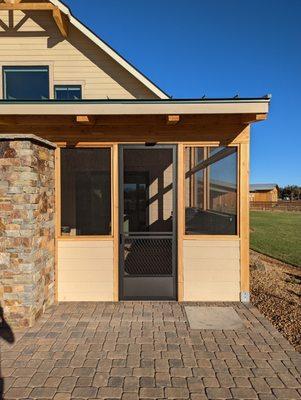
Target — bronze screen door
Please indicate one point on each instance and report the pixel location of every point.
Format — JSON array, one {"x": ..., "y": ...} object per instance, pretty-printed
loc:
[{"x": 147, "y": 222}]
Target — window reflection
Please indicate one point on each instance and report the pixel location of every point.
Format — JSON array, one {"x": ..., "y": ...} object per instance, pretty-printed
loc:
[{"x": 211, "y": 190}]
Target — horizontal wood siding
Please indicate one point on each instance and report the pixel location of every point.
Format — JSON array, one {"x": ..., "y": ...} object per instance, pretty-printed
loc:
[
  {"x": 75, "y": 60},
  {"x": 85, "y": 270},
  {"x": 269, "y": 195},
  {"x": 211, "y": 270}
]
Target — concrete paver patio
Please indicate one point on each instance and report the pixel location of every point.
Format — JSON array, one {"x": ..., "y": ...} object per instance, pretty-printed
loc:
[{"x": 146, "y": 350}]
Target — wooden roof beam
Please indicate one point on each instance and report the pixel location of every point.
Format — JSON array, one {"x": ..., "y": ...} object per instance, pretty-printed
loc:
[
  {"x": 249, "y": 118},
  {"x": 59, "y": 18},
  {"x": 17, "y": 6},
  {"x": 261, "y": 117},
  {"x": 12, "y": 1},
  {"x": 61, "y": 21}
]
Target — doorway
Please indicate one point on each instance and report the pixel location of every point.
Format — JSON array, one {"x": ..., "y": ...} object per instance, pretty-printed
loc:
[{"x": 148, "y": 222}]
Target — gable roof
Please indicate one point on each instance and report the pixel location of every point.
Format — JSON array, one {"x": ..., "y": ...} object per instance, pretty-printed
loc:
[
  {"x": 109, "y": 50},
  {"x": 262, "y": 186}
]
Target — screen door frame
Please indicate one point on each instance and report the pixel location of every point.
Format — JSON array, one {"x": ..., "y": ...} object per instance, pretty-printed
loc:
[{"x": 166, "y": 286}]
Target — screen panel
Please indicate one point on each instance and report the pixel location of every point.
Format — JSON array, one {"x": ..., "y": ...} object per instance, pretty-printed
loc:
[
  {"x": 86, "y": 192},
  {"x": 211, "y": 190}
]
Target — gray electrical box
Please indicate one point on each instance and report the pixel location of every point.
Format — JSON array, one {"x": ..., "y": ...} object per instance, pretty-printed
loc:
[{"x": 245, "y": 297}]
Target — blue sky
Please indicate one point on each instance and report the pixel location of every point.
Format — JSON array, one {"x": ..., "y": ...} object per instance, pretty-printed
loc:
[{"x": 219, "y": 48}]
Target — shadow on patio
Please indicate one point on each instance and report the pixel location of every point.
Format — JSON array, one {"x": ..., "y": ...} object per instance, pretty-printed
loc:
[{"x": 6, "y": 334}]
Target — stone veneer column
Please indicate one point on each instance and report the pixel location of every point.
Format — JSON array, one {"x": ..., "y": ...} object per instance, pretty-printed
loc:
[{"x": 26, "y": 227}]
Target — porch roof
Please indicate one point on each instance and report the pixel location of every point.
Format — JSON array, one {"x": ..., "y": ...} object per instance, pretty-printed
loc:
[{"x": 137, "y": 106}]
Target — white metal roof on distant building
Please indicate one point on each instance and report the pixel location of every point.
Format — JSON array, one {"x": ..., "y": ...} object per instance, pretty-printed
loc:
[{"x": 257, "y": 187}]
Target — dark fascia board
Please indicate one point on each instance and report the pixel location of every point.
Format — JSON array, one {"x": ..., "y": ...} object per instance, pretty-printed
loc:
[{"x": 144, "y": 101}]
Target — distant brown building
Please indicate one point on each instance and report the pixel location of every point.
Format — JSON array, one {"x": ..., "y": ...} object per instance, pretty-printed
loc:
[{"x": 264, "y": 192}]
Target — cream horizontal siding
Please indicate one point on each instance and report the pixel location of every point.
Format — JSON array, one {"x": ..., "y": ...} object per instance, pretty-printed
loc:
[
  {"x": 211, "y": 270},
  {"x": 75, "y": 59},
  {"x": 85, "y": 270}
]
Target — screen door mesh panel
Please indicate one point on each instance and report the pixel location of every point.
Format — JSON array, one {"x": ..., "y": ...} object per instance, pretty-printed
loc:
[{"x": 147, "y": 256}]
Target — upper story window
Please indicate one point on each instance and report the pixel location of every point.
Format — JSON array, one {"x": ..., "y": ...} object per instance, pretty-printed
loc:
[
  {"x": 67, "y": 92},
  {"x": 26, "y": 83}
]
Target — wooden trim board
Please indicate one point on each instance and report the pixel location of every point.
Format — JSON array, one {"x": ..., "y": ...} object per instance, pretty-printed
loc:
[
  {"x": 57, "y": 161},
  {"x": 181, "y": 210},
  {"x": 115, "y": 206},
  {"x": 244, "y": 215}
]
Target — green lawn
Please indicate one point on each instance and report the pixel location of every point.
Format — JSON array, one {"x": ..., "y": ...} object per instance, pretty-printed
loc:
[{"x": 277, "y": 234}]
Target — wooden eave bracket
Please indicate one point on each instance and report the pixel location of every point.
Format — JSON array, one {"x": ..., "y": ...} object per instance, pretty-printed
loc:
[
  {"x": 256, "y": 118},
  {"x": 173, "y": 119},
  {"x": 85, "y": 120},
  {"x": 59, "y": 18},
  {"x": 261, "y": 117},
  {"x": 17, "y": 5},
  {"x": 12, "y": 1}
]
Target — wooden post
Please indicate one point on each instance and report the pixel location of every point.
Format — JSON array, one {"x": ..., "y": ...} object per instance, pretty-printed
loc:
[
  {"x": 115, "y": 221},
  {"x": 206, "y": 191},
  {"x": 181, "y": 220},
  {"x": 244, "y": 160},
  {"x": 192, "y": 185},
  {"x": 57, "y": 207}
]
